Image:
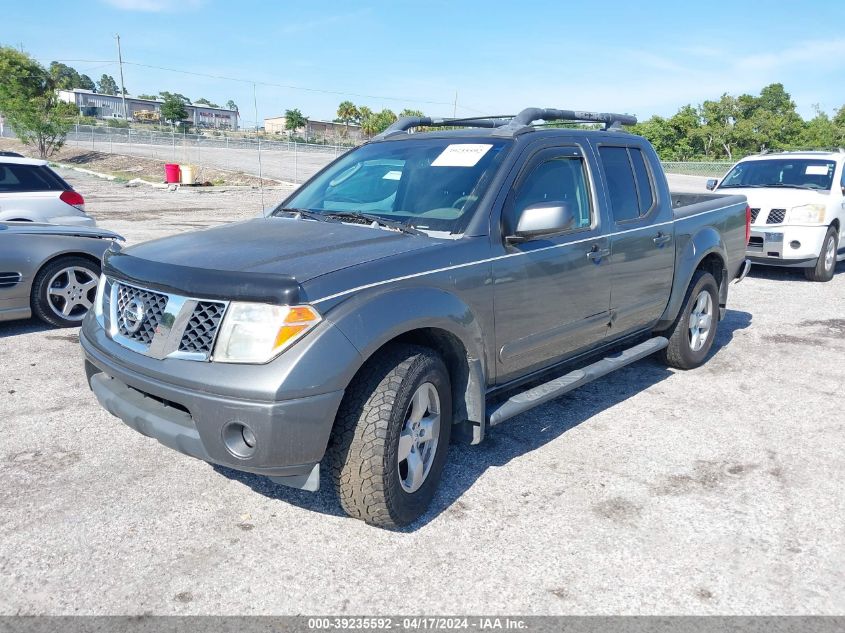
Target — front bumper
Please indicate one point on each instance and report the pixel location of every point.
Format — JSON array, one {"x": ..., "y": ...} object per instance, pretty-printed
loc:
[
  {"x": 786, "y": 245},
  {"x": 289, "y": 436}
]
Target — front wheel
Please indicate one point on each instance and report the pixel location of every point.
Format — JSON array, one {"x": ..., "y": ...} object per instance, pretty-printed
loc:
[
  {"x": 391, "y": 436},
  {"x": 824, "y": 268},
  {"x": 63, "y": 291},
  {"x": 693, "y": 333}
]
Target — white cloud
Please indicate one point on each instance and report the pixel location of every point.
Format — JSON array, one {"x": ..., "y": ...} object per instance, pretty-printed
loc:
[{"x": 155, "y": 6}]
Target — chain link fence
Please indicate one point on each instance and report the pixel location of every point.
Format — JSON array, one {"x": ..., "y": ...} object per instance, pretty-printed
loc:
[{"x": 278, "y": 159}]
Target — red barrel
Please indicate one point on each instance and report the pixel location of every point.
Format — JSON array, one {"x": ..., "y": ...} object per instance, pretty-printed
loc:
[{"x": 172, "y": 174}]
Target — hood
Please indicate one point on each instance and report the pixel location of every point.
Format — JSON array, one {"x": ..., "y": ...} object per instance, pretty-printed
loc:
[
  {"x": 301, "y": 249},
  {"x": 779, "y": 198},
  {"x": 35, "y": 228}
]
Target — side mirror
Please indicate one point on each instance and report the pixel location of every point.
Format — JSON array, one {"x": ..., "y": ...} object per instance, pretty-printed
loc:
[
  {"x": 542, "y": 218},
  {"x": 711, "y": 184}
]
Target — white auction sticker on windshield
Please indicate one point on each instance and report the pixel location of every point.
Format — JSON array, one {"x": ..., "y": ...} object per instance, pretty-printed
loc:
[
  {"x": 816, "y": 170},
  {"x": 461, "y": 155},
  {"x": 392, "y": 175}
]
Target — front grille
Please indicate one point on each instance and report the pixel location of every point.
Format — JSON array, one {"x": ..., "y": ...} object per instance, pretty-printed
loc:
[
  {"x": 154, "y": 304},
  {"x": 202, "y": 327},
  {"x": 776, "y": 216},
  {"x": 754, "y": 214}
]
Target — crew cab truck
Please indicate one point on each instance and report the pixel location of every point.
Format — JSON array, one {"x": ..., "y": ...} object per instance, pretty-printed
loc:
[
  {"x": 797, "y": 202},
  {"x": 422, "y": 287}
]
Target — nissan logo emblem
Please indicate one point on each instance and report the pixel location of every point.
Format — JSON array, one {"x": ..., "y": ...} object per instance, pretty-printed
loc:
[{"x": 132, "y": 315}]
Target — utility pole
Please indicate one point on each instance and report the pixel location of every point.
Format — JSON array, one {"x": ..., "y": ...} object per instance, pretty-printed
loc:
[
  {"x": 455, "y": 108},
  {"x": 122, "y": 88}
]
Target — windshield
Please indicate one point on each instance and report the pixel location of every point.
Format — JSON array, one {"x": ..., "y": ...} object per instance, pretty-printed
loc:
[
  {"x": 795, "y": 173},
  {"x": 429, "y": 184}
]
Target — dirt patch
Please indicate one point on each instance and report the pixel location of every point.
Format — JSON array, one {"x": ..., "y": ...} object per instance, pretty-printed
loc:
[
  {"x": 618, "y": 510},
  {"x": 129, "y": 167},
  {"x": 705, "y": 476}
]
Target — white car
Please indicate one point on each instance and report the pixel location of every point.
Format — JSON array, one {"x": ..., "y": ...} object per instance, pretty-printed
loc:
[
  {"x": 32, "y": 192},
  {"x": 797, "y": 202}
]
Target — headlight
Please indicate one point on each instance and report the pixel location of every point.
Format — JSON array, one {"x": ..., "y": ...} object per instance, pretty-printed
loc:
[
  {"x": 806, "y": 214},
  {"x": 258, "y": 332}
]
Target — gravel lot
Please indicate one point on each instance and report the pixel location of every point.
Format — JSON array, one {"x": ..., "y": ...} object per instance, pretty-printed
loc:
[{"x": 650, "y": 491}]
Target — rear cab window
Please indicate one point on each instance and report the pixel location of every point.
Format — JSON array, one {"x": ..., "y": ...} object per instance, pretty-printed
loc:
[
  {"x": 16, "y": 178},
  {"x": 630, "y": 186}
]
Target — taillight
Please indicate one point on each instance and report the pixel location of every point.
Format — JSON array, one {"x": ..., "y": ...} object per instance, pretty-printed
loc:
[
  {"x": 747, "y": 224},
  {"x": 73, "y": 199}
]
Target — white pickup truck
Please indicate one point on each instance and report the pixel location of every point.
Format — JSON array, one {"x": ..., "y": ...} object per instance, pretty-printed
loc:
[{"x": 797, "y": 202}]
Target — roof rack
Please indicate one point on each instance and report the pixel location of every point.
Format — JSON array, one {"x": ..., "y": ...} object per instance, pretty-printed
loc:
[
  {"x": 508, "y": 125},
  {"x": 405, "y": 123}
]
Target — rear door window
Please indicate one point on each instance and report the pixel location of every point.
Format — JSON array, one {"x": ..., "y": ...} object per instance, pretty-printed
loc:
[
  {"x": 22, "y": 178},
  {"x": 629, "y": 183},
  {"x": 621, "y": 186}
]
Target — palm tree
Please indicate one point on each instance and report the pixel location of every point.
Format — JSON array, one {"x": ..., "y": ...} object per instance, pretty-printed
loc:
[{"x": 347, "y": 112}]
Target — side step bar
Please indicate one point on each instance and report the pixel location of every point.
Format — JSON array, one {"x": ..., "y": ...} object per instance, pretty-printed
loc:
[{"x": 536, "y": 396}]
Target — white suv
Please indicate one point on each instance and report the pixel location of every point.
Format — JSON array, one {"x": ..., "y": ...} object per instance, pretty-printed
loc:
[
  {"x": 797, "y": 202},
  {"x": 32, "y": 192}
]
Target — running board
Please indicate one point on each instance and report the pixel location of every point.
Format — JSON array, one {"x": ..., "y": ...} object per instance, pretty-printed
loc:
[{"x": 536, "y": 396}]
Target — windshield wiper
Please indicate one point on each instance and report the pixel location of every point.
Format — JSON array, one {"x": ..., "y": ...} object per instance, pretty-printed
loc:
[
  {"x": 302, "y": 213},
  {"x": 780, "y": 184},
  {"x": 357, "y": 215}
]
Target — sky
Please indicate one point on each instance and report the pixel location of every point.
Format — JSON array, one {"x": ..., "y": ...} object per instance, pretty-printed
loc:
[{"x": 642, "y": 58}]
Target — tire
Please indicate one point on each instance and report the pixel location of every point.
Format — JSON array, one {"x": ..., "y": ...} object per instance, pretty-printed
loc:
[
  {"x": 364, "y": 449},
  {"x": 67, "y": 282},
  {"x": 685, "y": 351},
  {"x": 825, "y": 267}
]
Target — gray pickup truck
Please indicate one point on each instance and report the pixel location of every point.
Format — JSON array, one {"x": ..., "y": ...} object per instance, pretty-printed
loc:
[{"x": 422, "y": 287}]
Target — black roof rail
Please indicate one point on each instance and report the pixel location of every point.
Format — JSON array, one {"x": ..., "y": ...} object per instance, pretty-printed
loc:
[
  {"x": 405, "y": 123},
  {"x": 508, "y": 125},
  {"x": 522, "y": 121}
]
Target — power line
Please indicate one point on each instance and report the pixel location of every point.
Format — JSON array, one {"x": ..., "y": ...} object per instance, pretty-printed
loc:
[{"x": 278, "y": 85}]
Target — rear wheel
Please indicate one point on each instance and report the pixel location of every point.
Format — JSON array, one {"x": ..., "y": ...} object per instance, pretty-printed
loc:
[
  {"x": 391, "y": 436},
  {"x": 64, "y": 290},
  {"x": 823, "y": 270},
  {"x": 692, "y": 334}
]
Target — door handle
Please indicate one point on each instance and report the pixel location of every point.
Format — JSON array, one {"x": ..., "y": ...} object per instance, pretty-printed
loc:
[
  {"x": 662, "y": 238},
  {"x": 597, "y": 253}
]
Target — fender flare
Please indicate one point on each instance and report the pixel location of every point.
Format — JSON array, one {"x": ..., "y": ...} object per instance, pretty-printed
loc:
[
  {"x": 370, "y": 321},
  {"x": 688, "y": 257}
]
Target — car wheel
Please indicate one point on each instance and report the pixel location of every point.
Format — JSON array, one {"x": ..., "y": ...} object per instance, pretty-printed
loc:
[
  {"x": 693, "y": 333},
  {"x": 391, "y": 436},
  {"x": 825, "y": 266},
  {"x": 64, "y": 290}
]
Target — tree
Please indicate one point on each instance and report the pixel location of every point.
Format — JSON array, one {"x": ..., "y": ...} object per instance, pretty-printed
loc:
[
  {"x": 232, "y": 105},
  {"x": 173, "y": 109},
  {"x": 65, "y": 77},
  {"x": 409, "y": 112},
  {"x": 207, "y": 102},
  {"x": 376, "y": 122},
  {"x": 295, "y": 120},
  {"x": 174, "y": 95},
  {"x": 30, "y": 104},
  {"x": 86, "y": 83},
  {"x": 107, "y": 85},
  {"x": 347, "y": 113}
]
